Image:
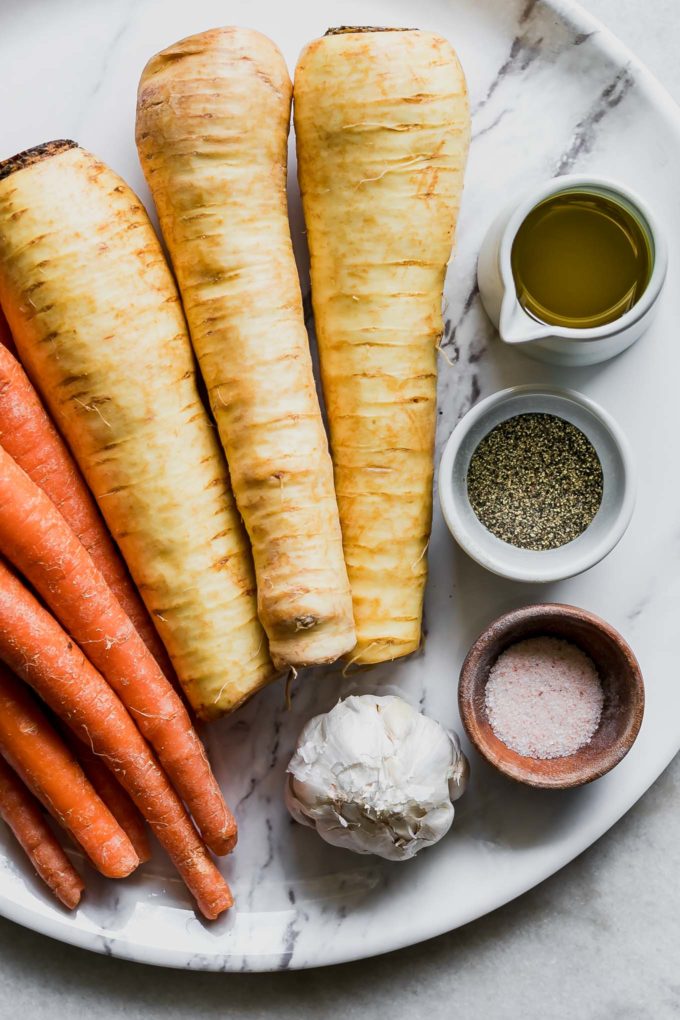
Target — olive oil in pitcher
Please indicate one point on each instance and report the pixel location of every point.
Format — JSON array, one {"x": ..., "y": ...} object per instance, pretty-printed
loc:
[{"x": 580, "y": 260}]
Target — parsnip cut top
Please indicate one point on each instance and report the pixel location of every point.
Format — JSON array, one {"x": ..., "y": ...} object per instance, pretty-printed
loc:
[
  {"x": 382, "y": 126},
  {"x": 212, "y": 130},
  {"x": 99, "y": 327}
]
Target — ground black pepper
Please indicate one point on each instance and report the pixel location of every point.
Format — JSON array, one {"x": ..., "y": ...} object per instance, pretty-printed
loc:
[{"x": 535, "y": 481}]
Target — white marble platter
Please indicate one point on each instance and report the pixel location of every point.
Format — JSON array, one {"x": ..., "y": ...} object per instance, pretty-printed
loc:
[{"x": 552, "y": 92}]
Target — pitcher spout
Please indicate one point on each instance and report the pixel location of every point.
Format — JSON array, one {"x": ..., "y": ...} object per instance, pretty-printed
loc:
[{"x": 516, "y": 327}]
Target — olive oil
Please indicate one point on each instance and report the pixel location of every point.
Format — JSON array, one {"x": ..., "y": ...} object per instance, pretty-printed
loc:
[{"x": 580, "y": 260}]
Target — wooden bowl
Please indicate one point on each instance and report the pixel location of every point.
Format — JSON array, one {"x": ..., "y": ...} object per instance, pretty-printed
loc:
[{"x": 621, "y": 679}]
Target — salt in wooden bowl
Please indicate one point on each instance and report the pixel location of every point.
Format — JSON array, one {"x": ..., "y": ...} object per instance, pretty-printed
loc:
[{"x": 619, "y": 675}]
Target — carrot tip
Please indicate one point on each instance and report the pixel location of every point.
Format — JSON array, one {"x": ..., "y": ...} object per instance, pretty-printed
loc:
[{"x": 70, "y": 899}]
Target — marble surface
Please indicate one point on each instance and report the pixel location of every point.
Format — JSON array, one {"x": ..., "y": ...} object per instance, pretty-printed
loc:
[{"x": 598, "y": 940}]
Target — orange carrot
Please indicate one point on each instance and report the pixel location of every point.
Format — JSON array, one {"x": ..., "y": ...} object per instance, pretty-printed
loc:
[
  {"x": 117, "y": 800},
  {"x": 21, "y": 811},
  {"x": 34, "y": 645},
  {"x": 38, "y": 541},
  {"x": 28, "y": 435},
  {"x": 42, "y": 760}
]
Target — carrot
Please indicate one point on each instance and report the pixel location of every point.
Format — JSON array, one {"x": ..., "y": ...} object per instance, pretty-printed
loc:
[
  {"x": 38, "y": 541},
  {"x": 42, "y": 760},
  {"x": 21, "y": 812},
  {"x": 29, "y": 436},
  {"x": 382, "y": 127},
  {"x": 34, "y": 645},
  {"x": 97, "y": 321},
  {"x": 221, "y": 200},
  {"x": 117, "y": 800}
]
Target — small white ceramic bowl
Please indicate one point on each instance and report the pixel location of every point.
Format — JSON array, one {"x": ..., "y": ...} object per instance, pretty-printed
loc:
[{"x": 606, "y": 528}]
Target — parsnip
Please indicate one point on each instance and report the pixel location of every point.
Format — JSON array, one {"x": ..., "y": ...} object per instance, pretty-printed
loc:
[
  {"x": 99, "y": 327},
  {"x": 213, "y": 116},
  {"x": 382, "y": 125}
]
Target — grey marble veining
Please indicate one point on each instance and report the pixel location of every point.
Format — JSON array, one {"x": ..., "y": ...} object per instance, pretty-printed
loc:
[{"x": 595, "y": 941}]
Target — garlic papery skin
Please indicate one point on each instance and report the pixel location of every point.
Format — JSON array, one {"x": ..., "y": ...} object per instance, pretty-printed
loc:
[{"x": 376, "y": 776}]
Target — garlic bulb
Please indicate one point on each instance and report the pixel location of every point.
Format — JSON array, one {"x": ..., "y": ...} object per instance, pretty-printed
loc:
[{"x": 375, "y": 776}]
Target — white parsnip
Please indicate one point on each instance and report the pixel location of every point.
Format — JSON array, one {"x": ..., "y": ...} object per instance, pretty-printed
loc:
[
  {"x": 213, "y": 117},
  {"x": 99, "y": 327},
  {"x": 382, "y": 126}
]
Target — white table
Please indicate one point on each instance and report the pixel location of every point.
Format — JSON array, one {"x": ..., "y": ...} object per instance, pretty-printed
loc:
[{"x": 598, "y": 941}]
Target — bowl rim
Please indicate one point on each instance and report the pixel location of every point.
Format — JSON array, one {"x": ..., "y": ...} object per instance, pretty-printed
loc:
[
  {"x": 470, "y": 680},
  {"x": 449, "y": 492}
]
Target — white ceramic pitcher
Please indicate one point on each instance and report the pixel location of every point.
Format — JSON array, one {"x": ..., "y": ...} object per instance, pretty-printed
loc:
[{"x": 557, "y": 344}]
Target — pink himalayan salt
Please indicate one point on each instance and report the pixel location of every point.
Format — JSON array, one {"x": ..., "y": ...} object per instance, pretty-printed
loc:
[{"x": 544, "y": 698}]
